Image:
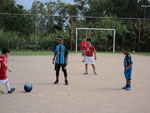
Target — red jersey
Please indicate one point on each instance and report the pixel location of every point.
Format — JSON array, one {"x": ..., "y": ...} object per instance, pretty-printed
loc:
[
  {"x": 3, "y": 67},
  {"x": 89, "y": 50},
  {"x": 83, "y": 45}
]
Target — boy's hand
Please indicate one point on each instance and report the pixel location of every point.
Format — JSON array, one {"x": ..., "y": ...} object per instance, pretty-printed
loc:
[
  {"x": 9, "y": 70},
  {"x": 126, "y": 69},
  {"x": 66, "y": 62},
  {"x": 95, "y": 58},
  {"x": 53, "y": 62}
]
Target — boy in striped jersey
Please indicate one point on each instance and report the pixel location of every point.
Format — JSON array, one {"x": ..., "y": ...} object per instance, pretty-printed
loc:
[{"x": 60, "y": 59}]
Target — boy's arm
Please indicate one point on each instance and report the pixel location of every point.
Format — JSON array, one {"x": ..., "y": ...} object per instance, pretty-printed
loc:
[
  {"x": 9, "y": 69},
  {"x": 95, "y": 54},
  {"x": 131, "y": 63},
  {"x": 66, "y": 52},
  {"x": 67, "y": 59},
  {"x": 5, "y": 64},
  {"x": 81, "y": 45},
  {"x": 53, "y": 62},
  {"x": 129, "y": 66}
]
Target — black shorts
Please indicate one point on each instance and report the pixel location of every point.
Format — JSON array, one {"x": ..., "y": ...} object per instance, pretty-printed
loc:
[{"x": 57, "y": 67}]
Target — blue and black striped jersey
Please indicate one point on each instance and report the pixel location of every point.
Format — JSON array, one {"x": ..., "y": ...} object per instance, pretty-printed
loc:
[{"x": 61, "y": 52}]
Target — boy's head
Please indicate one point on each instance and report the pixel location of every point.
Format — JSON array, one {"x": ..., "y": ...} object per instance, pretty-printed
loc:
[
  {"x": 5, "y": 52},
  {"x": 125, "y": 50},
  {"x": 84, "y": 39},
  {"x": 60, "y": 39},
  {"x": 88, "y": 41}
]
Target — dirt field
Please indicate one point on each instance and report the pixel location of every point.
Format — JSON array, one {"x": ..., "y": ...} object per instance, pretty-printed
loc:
[{"x": 85, "y": 94}]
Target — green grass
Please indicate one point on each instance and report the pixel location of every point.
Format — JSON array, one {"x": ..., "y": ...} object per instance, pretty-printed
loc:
[
  {"x": 33, "y": 52},
  {"x": 30, "y": 53},
  {"x": 136, "y": 53},
  {"x": 47, "y": 52},
  {"x": 142, "y": 53}
]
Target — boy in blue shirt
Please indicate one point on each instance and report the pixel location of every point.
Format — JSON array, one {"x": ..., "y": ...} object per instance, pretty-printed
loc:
[
  {"x": 60, "y": 59},
  {"x": 127, "y": 68}
]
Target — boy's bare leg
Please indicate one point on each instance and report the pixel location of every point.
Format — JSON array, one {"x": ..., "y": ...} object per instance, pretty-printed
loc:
[
  {"x": 83, "y": 55},
  {"x": 86, "y": 69},
  {"x": 94, "y": 69},
  {"x": 129, "y": 82}
]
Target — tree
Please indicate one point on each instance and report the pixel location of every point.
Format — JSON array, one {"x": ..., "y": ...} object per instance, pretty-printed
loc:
[{"x": 23, "y": 25}]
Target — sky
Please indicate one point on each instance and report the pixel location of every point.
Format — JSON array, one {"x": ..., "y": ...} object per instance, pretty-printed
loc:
[{"x": 28, "y": 3}]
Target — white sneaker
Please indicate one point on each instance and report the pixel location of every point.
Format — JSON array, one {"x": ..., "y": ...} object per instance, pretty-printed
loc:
[
  {"x": 86, "y": 73},
  {"x": 95, "y": 73}
]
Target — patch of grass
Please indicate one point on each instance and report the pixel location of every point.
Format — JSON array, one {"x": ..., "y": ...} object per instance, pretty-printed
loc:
[
  {"x": 31, "y": 53},
  {"x": 132, "y": 53},
  {"x": 142, "y": 53}
]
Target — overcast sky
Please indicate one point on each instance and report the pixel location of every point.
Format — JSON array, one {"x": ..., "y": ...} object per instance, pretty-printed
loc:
[{"x": 28, "y": 3}]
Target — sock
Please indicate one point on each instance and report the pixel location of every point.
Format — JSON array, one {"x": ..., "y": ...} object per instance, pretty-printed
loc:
[{"x": 7, "y": 85}]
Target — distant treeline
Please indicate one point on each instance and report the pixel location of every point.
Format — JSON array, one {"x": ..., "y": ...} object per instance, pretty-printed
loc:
[{"x": 128, "y": 17}]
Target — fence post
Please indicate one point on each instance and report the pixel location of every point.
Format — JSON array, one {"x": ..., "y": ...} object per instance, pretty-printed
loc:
[
  {"x": 36, "y": 32},
  {"x": 71, "y": 33},
  {"x": 106, "y": 33},
  {"x": 139, "y": 37}
]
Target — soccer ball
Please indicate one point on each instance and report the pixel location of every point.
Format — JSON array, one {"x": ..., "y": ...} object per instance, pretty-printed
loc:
[{"x": 28, "y": 87}]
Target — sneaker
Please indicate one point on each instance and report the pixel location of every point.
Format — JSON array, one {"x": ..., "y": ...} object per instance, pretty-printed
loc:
[
  {"x": 66, "y": 82},
  {"x": 128, "y": 88},
  {"x": 124, "y": 87},
  {"x": 95, "y": 73},
  {"x": 56, "y": 82},
  {"x": 11, "y": 90},
  {"x": 86, "y": 73},
  {"x": 83, "y": 61}
]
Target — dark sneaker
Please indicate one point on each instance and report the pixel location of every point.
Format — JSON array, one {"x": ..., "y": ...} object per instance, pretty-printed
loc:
[
  {"x": 11, "y": 90},
  {"x": 66, "y": 82},
  {"x": 56, "y": 82},
  {"x": 86, "y": 73},
  {"x": 128, "y": 88},
  {"x": 124, "y": 87}
]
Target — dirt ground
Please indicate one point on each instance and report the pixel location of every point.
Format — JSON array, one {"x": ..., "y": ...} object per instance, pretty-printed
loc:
[{"x": 100, "y": 93}]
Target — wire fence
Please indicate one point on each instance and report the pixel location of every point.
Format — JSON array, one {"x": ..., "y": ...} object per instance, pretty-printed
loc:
[{"x": 32, "y": 31}]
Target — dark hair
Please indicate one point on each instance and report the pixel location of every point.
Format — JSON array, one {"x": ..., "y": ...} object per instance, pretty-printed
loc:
[
  {"x": 88, "y": 39},
  {"x": 60, "y": 37},
  {"x": 126, "y": 48},
  {"x": 5, "y": 50}
]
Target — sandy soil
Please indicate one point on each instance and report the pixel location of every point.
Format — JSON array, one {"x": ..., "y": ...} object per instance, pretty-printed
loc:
[{"x": 85, "y": 94}]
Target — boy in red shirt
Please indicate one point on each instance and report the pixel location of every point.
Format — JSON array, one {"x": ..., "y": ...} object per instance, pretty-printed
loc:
[
  {"x": 89, "y": 59},
  {"x": 4, "y": 68},
  {"x": 83, "y": 47}
]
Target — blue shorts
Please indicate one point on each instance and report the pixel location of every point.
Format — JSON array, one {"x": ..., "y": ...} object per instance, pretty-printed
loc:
[{"x": 128, "y": 74}]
